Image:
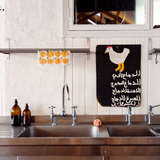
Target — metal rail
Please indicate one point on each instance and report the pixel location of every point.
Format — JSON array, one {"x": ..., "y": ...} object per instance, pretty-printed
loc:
[{"x": 35, "y": 50}]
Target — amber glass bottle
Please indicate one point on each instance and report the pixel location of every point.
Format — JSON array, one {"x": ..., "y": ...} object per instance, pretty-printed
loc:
[
  {"x": 16, "y": 114},
  {"x": 26, "y": 116}
]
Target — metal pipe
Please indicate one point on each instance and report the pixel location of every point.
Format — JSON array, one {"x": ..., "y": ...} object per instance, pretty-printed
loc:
[
  {"x": 129, "y": 115},
  {"x": 52, "y": 117},
  {"x": 74, "y": 115}
]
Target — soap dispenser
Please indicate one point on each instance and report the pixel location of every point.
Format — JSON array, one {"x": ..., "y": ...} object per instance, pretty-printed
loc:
[
  {"x": 26, "y": 116},
  {"x": 16, "y": 114}
]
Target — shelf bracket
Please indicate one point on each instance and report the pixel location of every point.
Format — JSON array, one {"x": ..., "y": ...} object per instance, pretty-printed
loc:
[
  {"x": 153, "y": 51},
  {"x": 88, "y": 46},
  {"x": 156, "y": 61},
  {"x": 8, "y": 56}
]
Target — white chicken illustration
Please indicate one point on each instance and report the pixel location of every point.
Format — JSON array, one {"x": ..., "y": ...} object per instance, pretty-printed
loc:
[{"x": 117, "y": 58}]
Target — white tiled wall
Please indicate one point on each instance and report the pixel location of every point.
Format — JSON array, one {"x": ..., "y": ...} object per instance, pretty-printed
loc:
[
  {"x": 154, "y": 77},
  {"x": 2, "y": 57},
  {"x": 38, "y": 24}
]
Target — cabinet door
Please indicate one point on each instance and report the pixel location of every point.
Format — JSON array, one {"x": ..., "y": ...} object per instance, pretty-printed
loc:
[
  {"x": 60, "y": 157},
  {"x": 8, "y": 158},
  {"x": 134, "y": 158}
]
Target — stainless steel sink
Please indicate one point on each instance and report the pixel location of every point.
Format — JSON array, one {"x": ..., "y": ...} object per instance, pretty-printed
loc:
[
  {"x": 61, "y": 131},
  {"x": 155, "y": 131},
  {"x": 129, "y": 131}
]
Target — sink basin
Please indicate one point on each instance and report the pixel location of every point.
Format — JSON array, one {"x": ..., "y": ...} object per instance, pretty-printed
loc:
[
  {"x": 129, "y": 131},
  {"x": 61, "y": 131},
  {"x": 155, "y": 131}
]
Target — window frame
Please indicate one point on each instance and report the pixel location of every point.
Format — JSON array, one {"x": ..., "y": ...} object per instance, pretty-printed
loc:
[{"x": 70, "y": 29}]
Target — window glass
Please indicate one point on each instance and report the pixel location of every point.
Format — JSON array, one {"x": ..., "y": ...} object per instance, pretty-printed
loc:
[
  {"x": 100, "y": 12},
  {"x": 156, "y": 13}
]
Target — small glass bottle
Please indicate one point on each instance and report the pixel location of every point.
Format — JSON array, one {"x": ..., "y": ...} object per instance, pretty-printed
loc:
[
  {"x": 26, "y": 116},
  {"x": 16, "y": 114}
]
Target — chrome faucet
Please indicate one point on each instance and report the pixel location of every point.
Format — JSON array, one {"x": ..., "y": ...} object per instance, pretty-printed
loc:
[
  {"x": 129, "y": 115},
  {"x": 52, "y": 117},
  {"x": 74, "y": 115},
  {"x": 150, "y": 113},
  {"x": 63, "y": 113}
]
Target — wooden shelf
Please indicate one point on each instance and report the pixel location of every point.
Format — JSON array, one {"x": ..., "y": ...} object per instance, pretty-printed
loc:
[{"x": 35, "y": 50}]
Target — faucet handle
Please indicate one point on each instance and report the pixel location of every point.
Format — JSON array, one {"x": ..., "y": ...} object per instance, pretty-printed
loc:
[
  {"x": 52, "y": 107},
  {"x": 150, "y": 112},
  {"x": 74, "y": 107}
]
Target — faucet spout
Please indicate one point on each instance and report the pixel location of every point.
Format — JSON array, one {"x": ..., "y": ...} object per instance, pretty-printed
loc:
[{"x": 63, "y": 113}]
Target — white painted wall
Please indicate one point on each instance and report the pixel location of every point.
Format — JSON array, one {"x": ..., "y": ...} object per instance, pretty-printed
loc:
[
  {"x": 2, "y": 57},
  {"x": 38, "y": 23}
]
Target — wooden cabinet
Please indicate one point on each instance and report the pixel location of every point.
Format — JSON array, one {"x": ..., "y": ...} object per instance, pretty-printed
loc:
[
  {"x": 8, "y": 158},
  {"x": 61, "y": 158},
  {"x": 80, "y": 152},
  {"x": 134, "y": 158}
]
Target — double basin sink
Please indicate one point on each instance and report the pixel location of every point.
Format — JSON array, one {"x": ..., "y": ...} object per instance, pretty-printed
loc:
[{"x": 89, "y": 131}]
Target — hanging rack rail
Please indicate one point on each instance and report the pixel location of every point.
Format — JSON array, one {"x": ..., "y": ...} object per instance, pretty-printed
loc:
[{"x": 35, "y": 50}]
